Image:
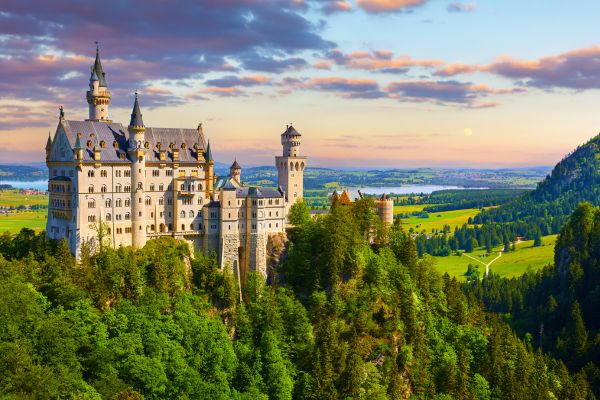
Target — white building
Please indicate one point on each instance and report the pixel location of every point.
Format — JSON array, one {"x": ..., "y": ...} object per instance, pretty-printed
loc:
[{"x": 141, "y": 183}]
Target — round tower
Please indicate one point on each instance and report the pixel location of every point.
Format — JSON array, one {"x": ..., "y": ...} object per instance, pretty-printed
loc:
[
  {"x": 235, "y": 171},
  {"x": 98, "y": 97},
  {"x": 290, "y": 166},
  {"x": 385, "y": 209},
  {"x": 137, "y": 153}
]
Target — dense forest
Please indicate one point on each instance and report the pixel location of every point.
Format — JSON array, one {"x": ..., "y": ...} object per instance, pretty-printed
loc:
[
  {"x": 341, "y": 317},
  {"x": 557, "y": 309},
  {"x": 459, "y": 199},
  {"x": 574, "y": 180}
]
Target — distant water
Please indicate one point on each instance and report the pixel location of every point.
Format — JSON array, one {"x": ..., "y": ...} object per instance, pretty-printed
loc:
[
  {"x": 38, "y": 185},
  {"x": 408, "y": 189}
]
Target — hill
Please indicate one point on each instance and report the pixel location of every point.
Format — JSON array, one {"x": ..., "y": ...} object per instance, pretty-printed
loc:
[{"x": 573, "y": 180}]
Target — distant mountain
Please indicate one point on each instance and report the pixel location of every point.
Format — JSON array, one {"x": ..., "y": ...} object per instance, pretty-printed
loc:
[
  {"x": 23, "y": 172},
  {"x": 573, "y": 180}
]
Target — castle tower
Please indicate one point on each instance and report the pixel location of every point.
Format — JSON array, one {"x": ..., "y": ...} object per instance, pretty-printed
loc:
[
  {"x": 385, "y": 209},
  {"x": 290, "y": 166},
  {"x": 209, "y": 171},
  {"x": 235, "y": 171},
  {"x": 137, "y": 152},
  {"x": 98, "y": 97},
  {"x": 48, "y": 147}
]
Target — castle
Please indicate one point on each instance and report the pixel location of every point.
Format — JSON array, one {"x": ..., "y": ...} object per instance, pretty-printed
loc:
[{"x": 139, "y": 183}]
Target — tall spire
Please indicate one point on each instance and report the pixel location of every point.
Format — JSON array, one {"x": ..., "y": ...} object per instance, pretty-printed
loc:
[
  {"x": 98, "y": 68},
  {"x": 208, "y": 154},
  {"x": 49, "y": 142},
  {"x": 136, "y": 114}
]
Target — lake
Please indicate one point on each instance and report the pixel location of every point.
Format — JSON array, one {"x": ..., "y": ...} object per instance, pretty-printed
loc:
[
  {"x": 38, "y": 185},
  {"x": 408, "y": 189}
]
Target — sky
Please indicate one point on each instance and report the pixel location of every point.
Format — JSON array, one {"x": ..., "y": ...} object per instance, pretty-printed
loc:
[{"x": 368, "y": 83}]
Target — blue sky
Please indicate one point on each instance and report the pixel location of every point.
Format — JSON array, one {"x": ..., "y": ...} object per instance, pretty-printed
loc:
[{"x": 369, "y": 83}]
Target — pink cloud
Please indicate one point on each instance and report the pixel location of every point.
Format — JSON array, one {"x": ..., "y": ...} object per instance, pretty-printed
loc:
[
  {"x": 379, "y": 60},
  {"x": 388, "y": 6}
]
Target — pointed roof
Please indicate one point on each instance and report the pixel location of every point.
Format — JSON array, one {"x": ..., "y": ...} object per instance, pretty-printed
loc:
[
  {"x": 291, "y": 131},
  {"x": 345, "y": 198},
  {"x": 77, "y": 145},
  {"x": 136, "y": 114},
  {"x": 49, "y": 142},
  {"x": 235, "y": 165},
  {"x": 94, "y": 76},
  {"x": 208, "y": 153},
  {"x": 98, "y": 69}
]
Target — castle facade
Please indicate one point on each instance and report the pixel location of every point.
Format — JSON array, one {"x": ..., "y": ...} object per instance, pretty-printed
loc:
[{"x": 137, "y": 183}]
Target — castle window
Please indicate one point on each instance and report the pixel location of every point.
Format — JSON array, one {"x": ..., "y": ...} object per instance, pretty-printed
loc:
[
  {"x": 152, "y": 187},
  {"x": 183, "y": 227},
  {"x": 127, "y": 216},
  {"x": 147, "y": 145},
  {"x": 170, "y": 227},
  {"x": 155, "y": 172},
  {"x": 91, "y": 218},
  {"x": 171, "y": 145},
  {"x": 118, "y": 217},
  {"x": 108, "y": 216},
  {"x": 118, "y": 187},
  {"x": 182, "y": 187},
  {"x": 191, "y": 214},
  {"x": 199, "y": 187},
  {"x": 89, "y": 144},
  {"x": 127, "y": 188},
  {"x": 91, "y": 189},
  {"x": 158, "y": 145},
  {"x": 169, "y": 201},
  {"x": 127, "y": 202},
  {"x": 116, "y": 144},
  {"x": 90, "y": 173},
  {"x": 199, "y": 200},
  {"x": 269, "y": 213},
  {"x": 276, "y": 201},
  {"x": 127, "y": 173},
  {"x": 276, "y": 225},
  {"x": 148, "y": 201},
  {"x": 170, "y": 187},
  {"x": 183, "y": 146},
  {"x": 269, "y": 224},
  {"x": 139, "y": 185},
  {"x": 118, "y": 203},
  {"x": 128, "y": 229},
  {"x": 161, "y": 201},
  {"x": 108, "y": 203},
  {"x": 152, "y": 227},
  {"x": 103, "y": 189},
  {"x": 229, "y": 215},
  {"x": 103, "y": 144},
  {"x": 277, "y": 213},
  {"x": 191, "y": 227},
  {"x": 103, "y": 173},
  {"x": 118, "y": 173},
  {"x": 182, "y": 214},
  {"x": 161, "y": 187}
]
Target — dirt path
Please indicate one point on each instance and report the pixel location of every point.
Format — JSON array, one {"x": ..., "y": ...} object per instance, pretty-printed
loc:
[{"x": 487, "y": 266}]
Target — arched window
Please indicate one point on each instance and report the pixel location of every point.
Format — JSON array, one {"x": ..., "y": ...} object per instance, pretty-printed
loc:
[
  {"x": 191, "y": 214},
  {"x": 127, "y": 202},
  {"x": 103, "y": 189},
  {"x": 90, "y": 173},
  {"x": 152, "y": 227},
  {"x": 108, "y": 216},
  {"x": 91, "y": 203},
  {"x": 191, "y": 227},
  {"x": 162, "y": 227},
  {"x": 183, "y": 227},
  {"x": 118, "y": 203},
  {"x": 91, "y": 189},
  {"x": 182, "y": 214},
  {"x": 127, "y": 215},
  {"x": 108, "y": 203},
  {"x": 118, "y": 188},
  {"x": 148, "y": 201},
  {"x": 103, "y": 173}
]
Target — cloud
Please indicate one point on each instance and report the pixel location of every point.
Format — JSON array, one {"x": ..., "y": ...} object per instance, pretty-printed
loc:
[
  {"x": 576, "y": 69},
  {"x": 348, "y": 88},
  {"x": 333, "y": 6},
  {"x": 225, "y": 91},
  {"x": 462, "y": 7},
  {"x": 232, "y": 81},
  {"x": 257, "y": 62},
  {"x": 389, "y": 6},
  {"x": 379, "y": 60},
  {"x": 444, "y": 92}
]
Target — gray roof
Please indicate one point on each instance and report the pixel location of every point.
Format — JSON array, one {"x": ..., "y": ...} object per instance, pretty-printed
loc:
[
  {"x": 256, "y": 192},
  {"x": 235, "y": 165},
  {"x": 98, "y": 69},
  {"x": 111, "y": 132},
  {"x": 136, "y": 114},
  {"x": 291, "y": 131}
]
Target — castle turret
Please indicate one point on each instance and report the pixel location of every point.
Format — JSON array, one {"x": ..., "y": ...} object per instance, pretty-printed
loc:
[
  {"x": 290, "y": 165},
  {"x": 235, "y": 171},
  {"x": 48, "y": 147},
  {"x": 209, "y": 171},
  {"x": 385, "y": 209},
  {"x": 137, "y": 153},
  {"x": 98, "y": 97}
]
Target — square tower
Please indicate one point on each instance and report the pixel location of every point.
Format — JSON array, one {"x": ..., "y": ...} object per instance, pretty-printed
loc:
[{"x": 290, "y": 166}]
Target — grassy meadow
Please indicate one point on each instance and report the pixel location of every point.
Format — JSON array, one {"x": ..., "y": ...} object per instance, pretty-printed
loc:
[
  {"x": 514, "y": 263},
  {"x": 14, "y": 221},
  {"x": 437, "y": 220}
]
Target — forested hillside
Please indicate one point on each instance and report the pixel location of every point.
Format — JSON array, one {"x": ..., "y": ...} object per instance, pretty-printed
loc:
[
  {"x": 573, "y": 180},
  {"x": 340, "y": 319},
  {"x": 557, "y": 309}
]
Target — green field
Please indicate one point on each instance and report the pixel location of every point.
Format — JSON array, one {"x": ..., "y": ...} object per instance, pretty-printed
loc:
[
  {"x": 13, "y": 198},
  {"x": 439, "y": 219},
  {"x": 409, "y": 208},
  {"x": 526, "y": 257},
  {"x": 13, "y": 222}
]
